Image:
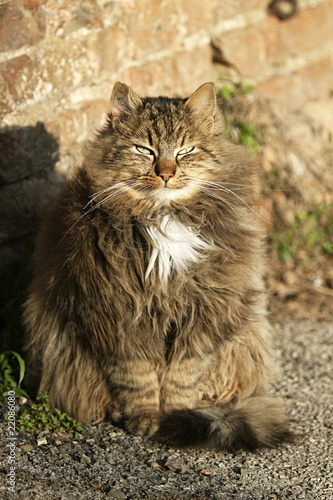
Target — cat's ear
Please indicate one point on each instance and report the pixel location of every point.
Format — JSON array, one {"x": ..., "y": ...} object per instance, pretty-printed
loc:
[
  {"x": 124, "y": 101},
  {"x": 202, "y": 103}
]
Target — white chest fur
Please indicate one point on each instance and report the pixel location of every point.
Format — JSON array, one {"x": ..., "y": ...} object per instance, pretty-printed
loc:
[{"x": 175, "y": 246}]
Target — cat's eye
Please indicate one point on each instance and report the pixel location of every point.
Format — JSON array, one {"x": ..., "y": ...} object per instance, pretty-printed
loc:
[
  {"x": 144, "y": 151},
  {"x": 185, "y": 151}
]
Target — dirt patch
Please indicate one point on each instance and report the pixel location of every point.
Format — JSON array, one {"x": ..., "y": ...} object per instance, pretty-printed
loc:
[{"x": 294, "y": 150}]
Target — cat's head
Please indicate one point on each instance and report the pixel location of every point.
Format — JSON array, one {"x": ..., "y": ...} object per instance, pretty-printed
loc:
[{"x": 159, "y": 150}]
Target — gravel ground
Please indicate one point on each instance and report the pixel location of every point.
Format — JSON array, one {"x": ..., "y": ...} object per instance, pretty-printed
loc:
[{"x": 105, "y": 462}]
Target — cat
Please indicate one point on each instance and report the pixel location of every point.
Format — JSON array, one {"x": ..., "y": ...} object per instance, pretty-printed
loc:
[{"x": 148, "y": 305}]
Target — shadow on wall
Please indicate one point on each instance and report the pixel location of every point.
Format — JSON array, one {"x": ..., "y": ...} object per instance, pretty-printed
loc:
[{"x": 28, "y": 184}]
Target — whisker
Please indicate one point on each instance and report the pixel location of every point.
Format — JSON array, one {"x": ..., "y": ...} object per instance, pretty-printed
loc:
[
  {"x": 226, "y": 190},
  {"x": 222, "y": 186},
  {"x": 109, "y": 188},
  {"x": 214, "y": 195},
  {"x": 121, "y": 189},
  {"x": 96, "y": 195},
  {"x": 218, "y": 185}
]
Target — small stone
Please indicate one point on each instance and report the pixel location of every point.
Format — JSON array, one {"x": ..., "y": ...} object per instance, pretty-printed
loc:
[
  {"x": 85, "y": 460},
  {"x": 175, "y": 466},
  {"x": 66, "y": 435},
  {"x": 155, "y": 465},
  {"x": 27, "y": 447},
  {"x": 115, "y": 493},
  {"x": 237, "y": 469},
  {"x": 110, "y": 460},
  {"x": 206, "y": 472},
  {"x": 41, "y": 441}
]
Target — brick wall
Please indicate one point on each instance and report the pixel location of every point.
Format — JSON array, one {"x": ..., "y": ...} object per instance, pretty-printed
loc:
[
  {"x": 290, "y": 60},
  {"x": 60, "y": 58}
]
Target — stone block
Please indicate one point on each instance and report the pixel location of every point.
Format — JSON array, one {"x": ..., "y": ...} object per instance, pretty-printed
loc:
[
  {"x": 21, "y": 23},
  {"x": 112, "y": 49},
  {"x": 19, "y": 79},
  {"x": 170, "y": 76},
  {"x": 307, "y": 31},
  {"x": 245, "y": 49},
  {"x": 76, "y": 124},
  {"x": 66, "y": 17},
  {"x": 225, "y": 10},
  {"x": 310, "y": 82},
  {"x": 151, "y": 27},
  {"x": 197, "y": 15}
]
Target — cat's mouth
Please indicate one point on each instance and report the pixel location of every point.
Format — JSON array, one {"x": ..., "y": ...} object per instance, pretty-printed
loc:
[
  {"x": 172, "y": 190},
  {"x": 157, "y": 189}
]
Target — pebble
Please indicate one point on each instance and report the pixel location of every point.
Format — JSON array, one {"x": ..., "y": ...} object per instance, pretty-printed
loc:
[
  {"x": 41, "y": 441},
  {"x": 115, "y": 493},
  {"x": 155, "y": 465},
  {"x": 27, "y": 447},
  {"x": 176, "y": 466},
  {"x": 85, "y": 460}
]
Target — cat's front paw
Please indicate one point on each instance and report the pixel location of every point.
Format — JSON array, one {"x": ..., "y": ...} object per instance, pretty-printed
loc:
[{"x": 144, "y": 425}]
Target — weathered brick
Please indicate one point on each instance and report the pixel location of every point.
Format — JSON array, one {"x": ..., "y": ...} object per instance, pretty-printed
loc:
[
  {"x": 64, "y": 16},
  {"x": 311, "y": 82},
  {"x": 303, "y": 33},
  {"x": 18, "y": 81},
  {"x": 245, "y": 50},
  {"x": 226, "y": 10},
  {"x": 21, "y": 23},
  {"x": 158, "y": 77},
  {"x": 76, "y": 124},
  {"x": 197, "y": 15},
  {"x": 112, "y": 49},
  {"x": 152, "y": 26},
  {"x": 68, "y": 64}
]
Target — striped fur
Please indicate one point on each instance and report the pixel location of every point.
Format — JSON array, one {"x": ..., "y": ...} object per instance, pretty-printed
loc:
[{"x": 148, "y": 302}]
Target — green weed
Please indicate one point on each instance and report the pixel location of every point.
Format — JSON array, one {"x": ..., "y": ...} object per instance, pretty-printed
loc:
[
  {"x": 12, "y": 368},
  {"x": 310, "y": 232},
  {"x": 41, "y": 417},
  {"x": 228, "y": 92},
  {"x": 237, "y": 126}
]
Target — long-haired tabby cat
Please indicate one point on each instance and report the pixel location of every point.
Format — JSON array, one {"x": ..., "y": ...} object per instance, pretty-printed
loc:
[{"x": 148, "y": 303}]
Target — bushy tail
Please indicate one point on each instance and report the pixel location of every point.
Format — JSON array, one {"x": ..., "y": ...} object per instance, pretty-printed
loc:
[{"x": 247, "y": 424}]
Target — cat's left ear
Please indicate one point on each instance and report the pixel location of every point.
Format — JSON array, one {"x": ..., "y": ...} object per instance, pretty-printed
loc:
[
  {"x": 202, "y": 103},
  {"x": 124, "y": 101}
]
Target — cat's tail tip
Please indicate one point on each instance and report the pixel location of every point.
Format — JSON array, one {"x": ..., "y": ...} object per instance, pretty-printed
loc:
[{"x": 247, "y": 424}]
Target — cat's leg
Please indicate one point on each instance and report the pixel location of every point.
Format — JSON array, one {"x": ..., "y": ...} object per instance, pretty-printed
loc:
[
  {"x": 243, "y": 366},
  {"x": 134, "y": 386},
  {"x": 74, "y": 382},
  {"x": 188, "y": 365},
  {"x": 180, "y": 387},
  {"x": 232, "y": 413}
]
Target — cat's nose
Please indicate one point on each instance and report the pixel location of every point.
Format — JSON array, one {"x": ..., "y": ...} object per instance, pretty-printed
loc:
[
  {"x": 165, "y": 169},
  {"x": 165, "y": 176}
]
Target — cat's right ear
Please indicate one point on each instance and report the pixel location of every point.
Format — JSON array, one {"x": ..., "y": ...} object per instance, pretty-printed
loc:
[
  {"x": 124, "y": 101},
  {"x": 202, "y": 104}
]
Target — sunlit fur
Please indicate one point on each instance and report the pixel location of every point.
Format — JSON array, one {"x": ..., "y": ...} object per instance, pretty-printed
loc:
[{"x": 148, "y": 302}]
